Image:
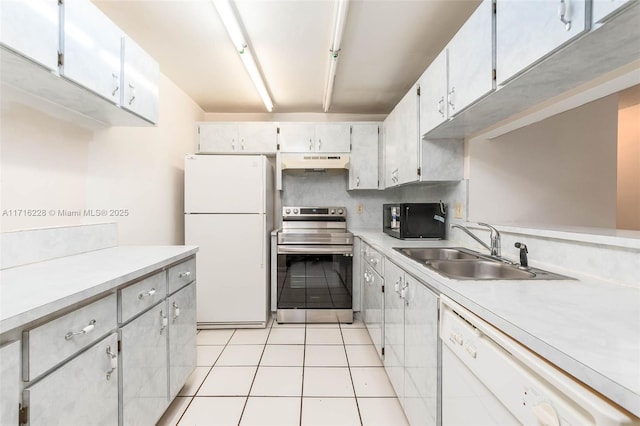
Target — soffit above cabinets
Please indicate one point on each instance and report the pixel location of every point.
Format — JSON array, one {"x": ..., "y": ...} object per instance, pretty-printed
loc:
[{"x": 386, "y": 46}]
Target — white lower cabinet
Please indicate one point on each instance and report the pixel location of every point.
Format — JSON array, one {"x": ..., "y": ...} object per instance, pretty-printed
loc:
[
  {"x": 182, "y": 337},
  {"x": 84, "y": 391},
  {"x": 394, "y": 327},
  {"x": 373, "y": 305},
  {"x": 144, "y": 367},
  {"x": 421, "y": 353},
  {"x": 411, "y": 344},
  {"x": 9, "y": 383}
]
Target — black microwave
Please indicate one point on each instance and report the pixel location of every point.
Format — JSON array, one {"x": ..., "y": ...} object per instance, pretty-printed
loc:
[{"x": 414, "y": 220}]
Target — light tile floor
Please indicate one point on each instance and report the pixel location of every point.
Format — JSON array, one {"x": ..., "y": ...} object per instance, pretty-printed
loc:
[{"x": 287, "y": 374}]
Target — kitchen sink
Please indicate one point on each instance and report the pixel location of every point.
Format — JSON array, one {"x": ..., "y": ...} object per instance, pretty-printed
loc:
[
  {"x": 463, "y": 264},
  {"x": 433, "y": 253},
  {"x": 479, "y": 270}
]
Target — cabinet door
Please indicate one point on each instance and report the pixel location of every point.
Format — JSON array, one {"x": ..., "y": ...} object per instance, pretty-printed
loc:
[
  {"x": 433, "y": 94},
  {"x": 139, "y": 81},
  {"x": 529, "y": 30},
  {"x": 373, "y": 307},
  {"x": 297, "y": 137},
  {"x": 218, "y": 138},
  {"x": 421, "y": 353},
  {"x": 408, "y": 138},
  {"x": 92, "y": 47},
  {"x": 9, "y": 383},
  {"x": 603, "y": 9},
  {"x": 363, "y": 168},
  {"x": 258, "y": 138},
  {"x": 394, "y": 327},
  {"x": 332, "y": 137},
  {"x": 84, "y": 391},
  {"x": 31, "y": 28},
  {"x": 144, "y": 367},
  {"x": 391, "y": 150},
  {"x": 182, "y": 338},
  {"x": 471, "y": 60}
]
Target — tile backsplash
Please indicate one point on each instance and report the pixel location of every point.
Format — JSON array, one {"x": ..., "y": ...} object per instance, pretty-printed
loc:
[{"x": 330, "y": 188}]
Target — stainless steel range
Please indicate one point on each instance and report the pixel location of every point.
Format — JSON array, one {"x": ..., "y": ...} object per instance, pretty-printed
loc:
[{"x": 315, "y": 265}]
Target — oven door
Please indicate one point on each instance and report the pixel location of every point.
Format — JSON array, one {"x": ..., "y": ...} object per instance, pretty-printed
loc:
[{"x": 314, "y": 277}]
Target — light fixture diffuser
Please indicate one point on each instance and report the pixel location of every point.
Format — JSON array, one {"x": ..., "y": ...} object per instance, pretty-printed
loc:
[
  {"x": 232, "y": 24},
  {"x": 341, "y": 9}
]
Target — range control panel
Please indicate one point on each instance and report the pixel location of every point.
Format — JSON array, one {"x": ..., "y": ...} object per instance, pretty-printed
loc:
[{"x": 313, "y": 212}]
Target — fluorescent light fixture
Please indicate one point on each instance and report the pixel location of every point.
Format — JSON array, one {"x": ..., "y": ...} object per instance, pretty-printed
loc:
[
  {"x": 232, "y": 24},
  {"x": 339, "y": 19}
]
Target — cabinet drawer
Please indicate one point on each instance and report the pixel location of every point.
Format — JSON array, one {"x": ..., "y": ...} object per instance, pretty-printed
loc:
[
  {"x": 181, "y": 275},
  {"x": 53, "y": 342},
  {"x": 374, "y": 259},
  {"x": 142, "y": 295}
]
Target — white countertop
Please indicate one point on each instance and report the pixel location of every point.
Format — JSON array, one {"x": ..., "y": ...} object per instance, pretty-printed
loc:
[
  {"x": 589, "y": 328},
  {"x": 33, "y": 291}
]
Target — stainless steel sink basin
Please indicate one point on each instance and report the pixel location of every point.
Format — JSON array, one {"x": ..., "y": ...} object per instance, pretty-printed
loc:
[
  {"x": 433, "y": 253},
  {"x": 479, "y": 270},
  {"x": 463, "y": 264}
]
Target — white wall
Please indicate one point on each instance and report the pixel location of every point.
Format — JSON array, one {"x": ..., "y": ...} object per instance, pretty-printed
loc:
[
  {"x": 628, "y": 207},
  {"x": 560, "y": 171},
  {"x": 56, "y": 163}
]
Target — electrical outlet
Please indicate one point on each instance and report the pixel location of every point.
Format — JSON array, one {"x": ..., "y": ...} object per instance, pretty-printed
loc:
[
  {"x": 360, "y": 208},
  {"x": 457, "y": 210}
]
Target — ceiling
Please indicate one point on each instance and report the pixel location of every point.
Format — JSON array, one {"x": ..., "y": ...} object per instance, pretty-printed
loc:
[{"x": 386, "y": 46}]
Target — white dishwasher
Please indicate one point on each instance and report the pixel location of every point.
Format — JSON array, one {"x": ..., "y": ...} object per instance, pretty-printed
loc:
[{"x": 490, "y": 379}]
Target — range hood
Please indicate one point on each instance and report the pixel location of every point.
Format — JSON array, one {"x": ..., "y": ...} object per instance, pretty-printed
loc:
[{"x": 314, "y": 161}]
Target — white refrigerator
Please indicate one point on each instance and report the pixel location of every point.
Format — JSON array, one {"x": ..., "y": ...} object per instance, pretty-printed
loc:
[{"x": 228, "y": 204}]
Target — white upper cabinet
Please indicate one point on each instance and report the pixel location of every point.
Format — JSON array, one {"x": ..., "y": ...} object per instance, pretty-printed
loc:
[
  {"x": 407, "y": 135},
  {"x": 237, "y": 138},
  {"x": 320, "y": 137},
  {"x": 604, "y": 9},
  {"x": 471, "y": 60},
  {"x": 402, "y": 141},
  {"x": 433, "y": 94},
  {"x": 333, "y": 137},
  {"x": 258, "y": 138},
  {"x": 139, "y": 81},
  {"x": 530, "y": 30},
  {"x": 31, "y": 28},
  {"x": 92, "y": 49},
  {"x": 363, "y": 161}
]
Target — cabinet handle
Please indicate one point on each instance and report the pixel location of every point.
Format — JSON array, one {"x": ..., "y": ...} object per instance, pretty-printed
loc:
[
  {"x": 450, "y": 98},
  {"x": 358, "y": 181},
  {"x": 310, "y": 145},
  {"x": 184, "y": 274},
  {"x": 113, "y": 362},
  {"x": 397, "y": 285},
  {"x": 374, "y": 262},
  {"x": 116, "y": 84},
  {"x": 233, "y": 144},
  {"x": 176, "y": 311},
  {"x": 147, "y": 293},
  {"x": 88, "y": 329},
  {"x": 564, "y": 11},
  {"x": 133, "y": 93},
  {"x": 403, "y": 293},
  {"x": 441, "y": 106},
  {"x": 242, "y": 144},
  {"x": 319, "y": 144},
  {"x": 165, "y": 321}
]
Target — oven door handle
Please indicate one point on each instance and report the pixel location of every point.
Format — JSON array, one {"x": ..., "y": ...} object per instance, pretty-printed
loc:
[{"x": 315, "y": 249}]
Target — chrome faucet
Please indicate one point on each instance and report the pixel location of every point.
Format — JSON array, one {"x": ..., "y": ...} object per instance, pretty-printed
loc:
[{"x": 494, "y": 249}]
